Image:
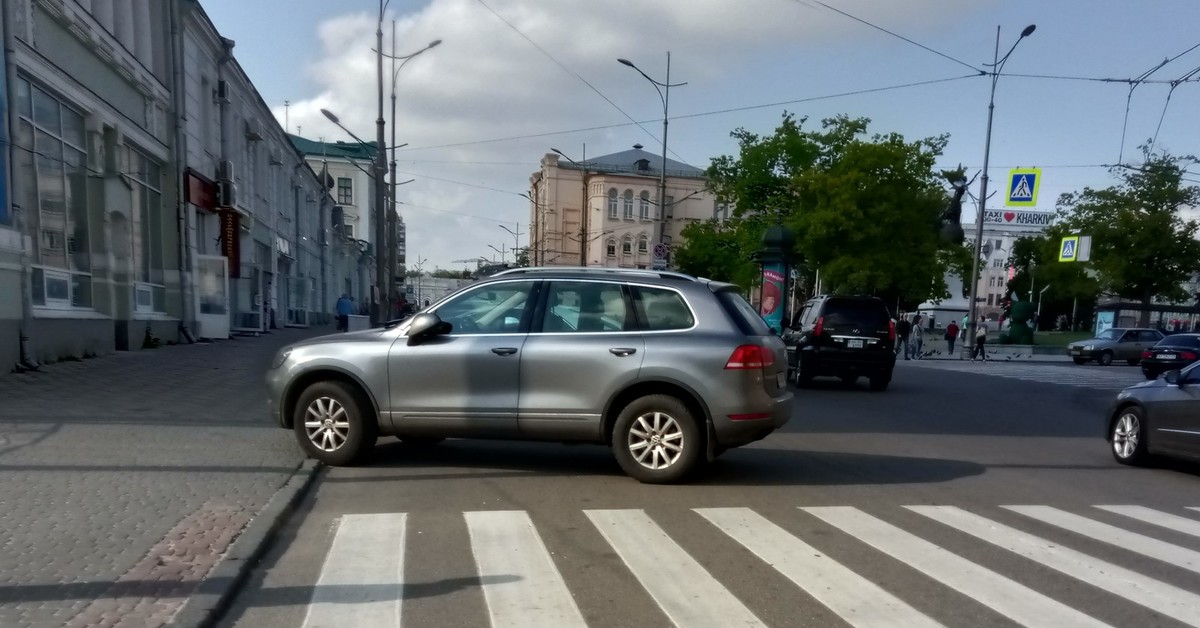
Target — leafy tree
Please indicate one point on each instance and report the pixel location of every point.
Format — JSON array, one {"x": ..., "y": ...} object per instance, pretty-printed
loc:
[
  {"x": 719, "y": 251},
  {"x": 522, "y": 257},
  {"x": 866, "y": 211},
  {"x": 1141, "y": 247},
  {"x": 1035, "y": 260}
]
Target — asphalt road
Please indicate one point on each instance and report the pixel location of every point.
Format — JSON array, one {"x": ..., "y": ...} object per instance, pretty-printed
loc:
[{"x": 899, "y": 508}]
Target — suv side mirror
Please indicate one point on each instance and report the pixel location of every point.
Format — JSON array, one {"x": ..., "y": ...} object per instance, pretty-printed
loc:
[{"x": 425, "y": 325}]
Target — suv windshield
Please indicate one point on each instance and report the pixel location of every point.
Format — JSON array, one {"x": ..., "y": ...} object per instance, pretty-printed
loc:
[{"x": 861, "y": 313}]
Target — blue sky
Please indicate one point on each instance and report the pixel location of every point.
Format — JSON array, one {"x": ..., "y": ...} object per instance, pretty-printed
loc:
[{"x": 741, "y": 60}]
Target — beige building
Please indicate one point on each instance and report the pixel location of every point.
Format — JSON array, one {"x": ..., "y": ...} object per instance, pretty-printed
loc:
[{"x": 622, "y": 222}]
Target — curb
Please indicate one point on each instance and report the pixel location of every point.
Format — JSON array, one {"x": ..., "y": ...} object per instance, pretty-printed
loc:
[{"x": 218, "y": 589}]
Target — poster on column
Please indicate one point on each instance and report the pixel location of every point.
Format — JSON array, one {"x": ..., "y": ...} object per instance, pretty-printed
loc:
[{"x": 770, "y": 306}]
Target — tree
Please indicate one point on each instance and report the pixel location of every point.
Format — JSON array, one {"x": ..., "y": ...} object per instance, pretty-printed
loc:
[
  {"x": 1141, "y": 247},
  {"x": 719, "y": 251},
  {"x": 1035, "y": 260},
  {"x": 866, "y": 211}
]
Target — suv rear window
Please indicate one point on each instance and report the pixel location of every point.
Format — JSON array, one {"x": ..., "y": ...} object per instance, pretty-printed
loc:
[
  {"x": 743, "y": 314},
  {"x": 861, "y": 313}
]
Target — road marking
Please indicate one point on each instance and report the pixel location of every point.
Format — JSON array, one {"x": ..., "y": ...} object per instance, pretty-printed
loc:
[
  {"x": 1139, "y": 543},
  {"x": 1158, "y": 518},
  {"x": 855, "y": 599},
  {"x": 362, "y": 580},
  {"x": 685, "y": 591},
  {"x": 1158, "y": 596},
  {"x": 1007, "y": 597},
  {"x": 520, "y": 582}
]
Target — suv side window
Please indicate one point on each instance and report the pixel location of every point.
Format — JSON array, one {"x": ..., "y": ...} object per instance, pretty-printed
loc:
[
  {"x": 487, "y": 309},
  {"x": 809, "y": 316},
  {"x": 586, "y": 306},
  {"x": 661, "y": 309}
]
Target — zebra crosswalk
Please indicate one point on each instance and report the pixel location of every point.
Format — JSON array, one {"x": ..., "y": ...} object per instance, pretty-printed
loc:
[
  {"x": 1103, "y": 378},
  {"x": 524, "y": 583}
]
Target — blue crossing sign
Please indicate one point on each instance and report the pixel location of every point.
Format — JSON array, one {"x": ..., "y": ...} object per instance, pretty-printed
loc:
[
  {"x": 1023, "y": 187},
  {"x": 1068, "y": 251}
]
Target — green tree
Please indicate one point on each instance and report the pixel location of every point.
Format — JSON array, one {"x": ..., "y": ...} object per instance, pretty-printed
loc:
[
  {"x": 866, "y": 210},
  {"x": 1071, "y": 289},
  {"x": 1141, "y": 247},
  {"x": 719, "y": 251}
]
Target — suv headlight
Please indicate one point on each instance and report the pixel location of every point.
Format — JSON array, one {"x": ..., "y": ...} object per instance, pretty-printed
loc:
[{"x": 280, "y": 358}]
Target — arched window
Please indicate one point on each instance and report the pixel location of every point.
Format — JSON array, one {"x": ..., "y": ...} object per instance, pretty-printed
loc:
[
  {"x": 644, "y": 209},
  {"x": 628, "y": 204},
  {"x": 627, "y": 245},
  {"x": 643, "y": 243},
  {"x": 612, "y": 203},
  {"x": 611, "y": 249}
]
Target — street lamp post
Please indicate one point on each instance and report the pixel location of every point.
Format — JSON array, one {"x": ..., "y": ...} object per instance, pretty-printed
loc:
[
  {"x": 665, "y": 96},
  {"x": 997, "y": 65},
  {"x": 516, "y": 239},
  {"x": 583, "y": 208},
  {"x": 500, "y": 251},
  {"x": 535, "y": 231}
]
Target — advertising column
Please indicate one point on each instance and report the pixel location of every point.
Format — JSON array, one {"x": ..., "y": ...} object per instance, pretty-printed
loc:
[{"x": 771, "y": 299}]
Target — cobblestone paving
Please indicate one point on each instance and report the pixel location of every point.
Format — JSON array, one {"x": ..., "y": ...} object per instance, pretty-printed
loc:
[{"x": 123, "y": 479}]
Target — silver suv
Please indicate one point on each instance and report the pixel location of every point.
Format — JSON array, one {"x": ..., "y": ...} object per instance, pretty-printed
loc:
[{"x": 668, "y": 369}]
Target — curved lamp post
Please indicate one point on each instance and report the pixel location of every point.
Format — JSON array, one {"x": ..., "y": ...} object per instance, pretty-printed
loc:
[{"x": 997, "y": 65}]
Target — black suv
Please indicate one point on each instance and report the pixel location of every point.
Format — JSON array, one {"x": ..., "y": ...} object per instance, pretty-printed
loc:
[{"x": 847, "y": 337}]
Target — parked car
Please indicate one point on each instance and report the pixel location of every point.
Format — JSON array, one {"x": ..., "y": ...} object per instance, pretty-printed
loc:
[
  {"x": 1157, "y": 417},
  {"x": 846, "y": 337},
  {"x": 1171, "y": 353},
  {"x": 667, "y": 369},
  {"x": 1118, "y": 343}
]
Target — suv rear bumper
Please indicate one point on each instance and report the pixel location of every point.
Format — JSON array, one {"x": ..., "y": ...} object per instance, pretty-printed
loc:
[
  {"x": 822, "y": 361},
  {"x": 733, "y": 430}
]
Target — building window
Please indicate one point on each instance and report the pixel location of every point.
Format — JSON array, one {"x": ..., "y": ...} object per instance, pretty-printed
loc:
[
  {"x": 612, "y": 203},
  {"x": 669, "y": 208},
  {"x": 628, "y": 204},
  {"x": 50, "y": 180},
  {"x": 345, "y": 191},
  {"x": 611, "y": 248},
  {"x": 643, "y": 244},
  {"x": 627, "y": 246},
  {"x": 644, "y": 206},
  {"x": 148, "y": 248}
]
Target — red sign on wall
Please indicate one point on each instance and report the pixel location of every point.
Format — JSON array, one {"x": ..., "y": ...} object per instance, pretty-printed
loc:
[
  {"x": 199, "y": 191},
  {"x": 231, "y": 245}
]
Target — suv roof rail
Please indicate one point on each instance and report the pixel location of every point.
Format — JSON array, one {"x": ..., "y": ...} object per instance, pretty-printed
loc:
[{"x": 599, "y": 270}]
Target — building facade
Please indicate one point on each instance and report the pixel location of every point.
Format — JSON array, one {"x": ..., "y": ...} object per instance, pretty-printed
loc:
[
  {"x": 148, "y": 193},
  {"x": 619, "y": 198}
]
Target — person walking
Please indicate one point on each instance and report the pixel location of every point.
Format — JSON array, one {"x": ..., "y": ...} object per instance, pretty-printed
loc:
[
  {"x": 918, "y": 337},
  {"x": 980, "y": 340},
  {"x": 951, "y": 336},
  {"x": 344, "y": 308},
  {"x": 903, "y": 328}
]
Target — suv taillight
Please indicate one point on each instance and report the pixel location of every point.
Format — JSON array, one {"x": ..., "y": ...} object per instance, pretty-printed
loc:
[
  {"x": 750, "y": 357},
  {"x": 820, "y": 326},
  {"x": 891, "y": 330},
  {"x": 1147, "y": 354}
]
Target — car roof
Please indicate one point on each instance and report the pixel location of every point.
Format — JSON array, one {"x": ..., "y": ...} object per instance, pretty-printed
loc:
[{"x": 593, "y": 272}]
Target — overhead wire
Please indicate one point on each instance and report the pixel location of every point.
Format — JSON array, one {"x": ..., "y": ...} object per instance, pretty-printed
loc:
[
  {"x": 1133, "y": 86},
  {"x": 1167, "y": 103}
]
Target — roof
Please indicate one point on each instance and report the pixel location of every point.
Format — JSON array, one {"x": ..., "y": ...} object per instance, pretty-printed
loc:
[
  {"x": 342, "y": 150},
  {"x": 627, "y": 162}
]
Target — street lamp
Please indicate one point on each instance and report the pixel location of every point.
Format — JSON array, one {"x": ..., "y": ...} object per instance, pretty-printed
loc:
[
  {"x": 500, "y": 251},
  {"x": 997, "y": 65},
  {"x": 1037, "y": 322},
  {"x": 516, "y": 238},
  {"x": 583, "y": 208},
  {"x": 536, "y": 236},
  {"x": 665, "y": 96}
]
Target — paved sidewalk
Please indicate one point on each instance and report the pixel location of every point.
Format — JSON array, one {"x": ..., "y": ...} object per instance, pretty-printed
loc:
[{"x": 125, "y": 478}]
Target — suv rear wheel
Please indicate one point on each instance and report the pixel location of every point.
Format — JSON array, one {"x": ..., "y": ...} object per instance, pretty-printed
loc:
[
  {"x": 656, "y": 439},
  {"x": 333, "y": 425}
]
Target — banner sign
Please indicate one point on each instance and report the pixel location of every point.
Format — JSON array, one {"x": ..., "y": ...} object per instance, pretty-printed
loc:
[
  {"x": 770, "y": 304},
  {"x": 1018, "y": 218},
  {"x": 231, "y": 232}
]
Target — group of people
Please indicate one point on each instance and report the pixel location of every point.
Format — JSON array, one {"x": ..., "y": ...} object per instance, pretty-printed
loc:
[{"x": 910, "y": 337}]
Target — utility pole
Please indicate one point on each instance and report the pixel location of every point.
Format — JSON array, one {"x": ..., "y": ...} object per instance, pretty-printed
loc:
[{"x": 380, "y": 190}]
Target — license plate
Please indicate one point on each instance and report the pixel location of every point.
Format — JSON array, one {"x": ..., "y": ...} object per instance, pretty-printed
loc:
[
  {"x": 1166, "y": 356},
  {"x": 1076, "y": 351},
  {"x": 781, "y": 379},
  {"x": 855, "y": 343}
]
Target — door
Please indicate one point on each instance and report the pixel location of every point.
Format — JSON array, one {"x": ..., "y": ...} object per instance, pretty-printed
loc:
[
  {"x": 1147, "y": 338},
  {"x": 465, "y": 382},
  {"x": 583, "y": 348},
  {"x": 1177, "y": 414},
  {"x": 212, "y": 294},
  {"x": 1128, "y": 347}
]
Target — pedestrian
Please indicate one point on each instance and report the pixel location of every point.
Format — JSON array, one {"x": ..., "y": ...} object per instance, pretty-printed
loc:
[
  {"x": 918, "y": 337},
  {"x": 343, "y": 309},
  {"x": 903, "y": 328},
  {"x": 980, "y": 339},
  {"x": 951, "y": 336}
]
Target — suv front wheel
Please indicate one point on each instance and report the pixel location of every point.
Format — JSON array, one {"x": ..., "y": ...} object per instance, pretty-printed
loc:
[
  {"x": 333, "y": 425},
  {"x": 656, "y": 439}
]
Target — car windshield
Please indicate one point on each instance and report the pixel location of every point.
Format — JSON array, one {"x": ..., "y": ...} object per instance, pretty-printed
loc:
[
  {"x": 1186, "y": 340},
  {"x": 1109, "y": 334}
]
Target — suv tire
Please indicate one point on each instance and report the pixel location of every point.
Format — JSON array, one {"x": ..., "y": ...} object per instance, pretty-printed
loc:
[
  {"x": 880, "y": 382},
  {"x": 340, "y": 431},
  {"x": 663, "y": 433}
]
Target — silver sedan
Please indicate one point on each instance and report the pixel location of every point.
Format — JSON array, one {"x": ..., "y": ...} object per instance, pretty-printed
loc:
[{"x": 1159, "y": 417}]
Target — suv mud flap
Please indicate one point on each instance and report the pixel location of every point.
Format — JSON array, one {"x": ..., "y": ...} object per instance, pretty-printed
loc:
[{"x": 711, "y": 453}]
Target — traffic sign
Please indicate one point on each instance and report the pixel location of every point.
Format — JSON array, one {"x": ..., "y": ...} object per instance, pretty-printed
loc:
[
  {"x": 1068, "y": 250},
  {"x": 661, "y": 250},
  {"x": 1023, "y": 187}
]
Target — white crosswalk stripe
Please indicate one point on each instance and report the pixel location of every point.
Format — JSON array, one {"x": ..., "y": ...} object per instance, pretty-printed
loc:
[
  {"x": 523, "y": 583},
  {"x": 1109, "y": 378}
]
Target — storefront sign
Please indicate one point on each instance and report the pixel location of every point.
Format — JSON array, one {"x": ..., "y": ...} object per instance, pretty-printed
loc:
[
  {"x": 199, "y": 191},
  {"x": 1018, "y": 218},
  {"x": 231, "y": 245}
]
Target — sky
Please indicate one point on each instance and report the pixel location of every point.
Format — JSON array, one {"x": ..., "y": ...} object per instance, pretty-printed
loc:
[{"x": 514, "y": 78}]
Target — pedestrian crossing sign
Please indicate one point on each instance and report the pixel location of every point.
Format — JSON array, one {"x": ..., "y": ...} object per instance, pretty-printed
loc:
[
  {"x": 1023, "y": 187},
  {"x": 1068, "y": 251}
]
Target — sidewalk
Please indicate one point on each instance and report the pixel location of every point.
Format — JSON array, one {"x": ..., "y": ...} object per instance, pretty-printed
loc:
[
  {"x": 935, "y": 349},
  {"x": 125, "y": 478}
]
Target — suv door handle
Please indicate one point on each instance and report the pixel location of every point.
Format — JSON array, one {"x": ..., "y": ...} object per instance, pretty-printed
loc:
[
  {"x": 504, "y": 350},
  {"x": 621, "y": 352}
]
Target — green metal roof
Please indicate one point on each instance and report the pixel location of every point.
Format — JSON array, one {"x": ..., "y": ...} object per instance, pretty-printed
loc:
[{"x": 342, "y": 150}]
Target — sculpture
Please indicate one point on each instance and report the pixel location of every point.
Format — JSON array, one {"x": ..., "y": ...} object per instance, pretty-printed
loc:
[{"x": 1019, "y": 332}]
